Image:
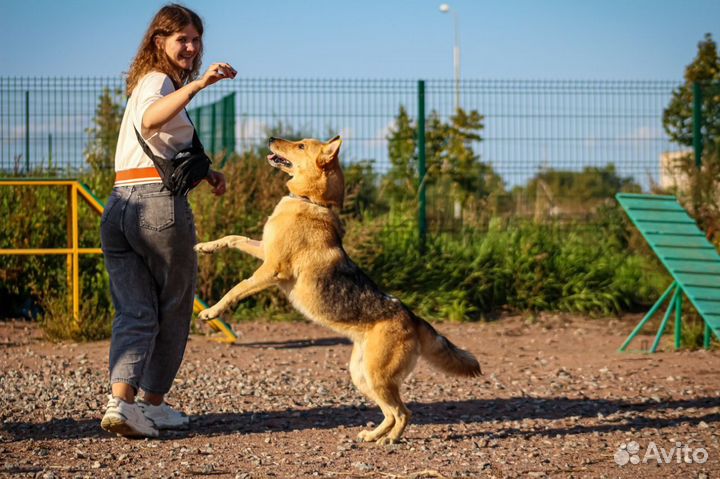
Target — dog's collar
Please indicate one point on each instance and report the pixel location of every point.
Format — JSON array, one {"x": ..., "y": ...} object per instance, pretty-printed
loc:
[{"x": 308, "y": 200}]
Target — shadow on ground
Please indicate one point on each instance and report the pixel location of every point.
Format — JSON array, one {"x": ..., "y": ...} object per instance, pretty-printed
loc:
[
  {"x": 296, "y": 343},
  {"x": 449, "y": 412}
]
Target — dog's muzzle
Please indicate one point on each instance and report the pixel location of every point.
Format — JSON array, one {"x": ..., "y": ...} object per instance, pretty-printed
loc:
[{"x": 277, "y": 160}]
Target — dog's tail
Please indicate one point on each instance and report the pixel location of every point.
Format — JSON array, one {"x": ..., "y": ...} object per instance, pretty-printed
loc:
[{"x": 443, "y": 354}]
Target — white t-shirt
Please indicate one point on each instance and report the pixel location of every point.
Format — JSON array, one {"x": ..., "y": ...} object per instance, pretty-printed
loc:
[{"x": 165, "y": 142}]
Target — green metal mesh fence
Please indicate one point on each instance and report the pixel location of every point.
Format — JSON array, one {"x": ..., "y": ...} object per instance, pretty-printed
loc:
[
  {"x": 215, "y": 124},
  {"x": 536, "y": 136}
]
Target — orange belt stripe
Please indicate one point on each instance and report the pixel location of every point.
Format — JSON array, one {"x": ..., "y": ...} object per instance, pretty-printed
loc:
[{"x": 137, "y": 174}]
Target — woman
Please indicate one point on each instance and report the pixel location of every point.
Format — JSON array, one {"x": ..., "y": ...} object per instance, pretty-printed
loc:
[{"x": 147, "y": 233}]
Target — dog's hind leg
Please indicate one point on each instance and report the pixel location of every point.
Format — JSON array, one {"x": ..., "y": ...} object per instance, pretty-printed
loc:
[
  {"x": 244, "y": 244},
  {"x": 359, "y": 378},
  {"x": 264, "y": 277},
  {"x": 390, "y": 402},
  {"x": 380, "y": 431},
  {"x": 390, "y": 355}
]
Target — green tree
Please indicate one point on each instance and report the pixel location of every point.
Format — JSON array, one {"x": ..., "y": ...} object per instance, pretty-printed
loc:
[
  {"x": 469, "y": 177},
  {"x": 361, "y": 190},
  {"x": 703, "y": 195},
  {"x": 563, "y": 192},
  {"x": 452, "y": 166},
  {"x": 400, "y": 181},
  {"x": 591, "y": 183},
  {"x": 103, "y": 137},
  {"x": 677, "y": 117}
]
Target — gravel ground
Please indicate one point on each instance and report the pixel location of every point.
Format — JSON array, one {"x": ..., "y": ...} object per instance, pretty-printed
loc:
[{"x": 556, "y": 400}]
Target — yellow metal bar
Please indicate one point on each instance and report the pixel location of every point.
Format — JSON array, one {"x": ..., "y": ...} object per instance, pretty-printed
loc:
[
  {"x": 69, "y": 258},
  {"x": 41, "y": 251},
  {"x": 37, "y": 183},
  {"x": 73, "y": 250},
  {"x": 76, "y": 256}
]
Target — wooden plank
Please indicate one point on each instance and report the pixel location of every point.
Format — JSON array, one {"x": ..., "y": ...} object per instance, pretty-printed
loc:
[
  {"x": 658, "y": 208},
  {"x": 707, "y": 307},
  {"x": 644, "y": 216},
  {"x": 700, "y": 293},
  {"x": 671, "y": 228},
  {"x": 635, "y": 200},
  {"x": 660, "y": 239},
  {"x": 689, "y": 280},
  {"x": 645, "y": 195},
  {"x": 703, "y": 267},
  {"x": 687, "y": 253},
  {"x": 636, "y": 206},
  {"x": 713, "y": 321}
]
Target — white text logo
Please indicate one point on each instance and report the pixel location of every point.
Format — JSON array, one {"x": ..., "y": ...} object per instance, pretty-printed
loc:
[{"x": 680, "y": 453}]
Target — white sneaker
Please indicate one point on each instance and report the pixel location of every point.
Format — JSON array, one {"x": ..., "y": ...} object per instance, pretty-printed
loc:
[
  {"x": 163, "y": 416},
  {"x": 126, "y": 419}
]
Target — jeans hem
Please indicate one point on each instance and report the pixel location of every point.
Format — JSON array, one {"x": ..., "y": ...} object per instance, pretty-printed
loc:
[
  {"x": 129, "y": 382},
  {"x": 154, "y": 391}
]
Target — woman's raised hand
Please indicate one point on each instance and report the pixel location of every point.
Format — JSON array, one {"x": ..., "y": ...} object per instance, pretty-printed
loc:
[{"x": 217, "y": 72}]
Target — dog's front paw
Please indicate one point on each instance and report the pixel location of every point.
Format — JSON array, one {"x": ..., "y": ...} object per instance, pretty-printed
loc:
[
  {"x": 207, "y": 248},
  {"x": 209, "y": 314}
]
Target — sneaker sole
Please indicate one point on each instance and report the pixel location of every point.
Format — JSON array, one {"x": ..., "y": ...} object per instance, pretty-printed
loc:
[{"x": 122, "y": 428}]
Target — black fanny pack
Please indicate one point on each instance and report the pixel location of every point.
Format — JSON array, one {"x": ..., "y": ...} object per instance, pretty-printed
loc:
[{"x": 183, "y": 172}]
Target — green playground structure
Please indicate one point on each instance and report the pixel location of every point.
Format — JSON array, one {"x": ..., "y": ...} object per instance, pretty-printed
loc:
[{"x": 689, "y": 257}]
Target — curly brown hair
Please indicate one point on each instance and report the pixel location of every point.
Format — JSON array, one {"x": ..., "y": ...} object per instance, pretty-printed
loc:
[{"x": 168, "y": 20}]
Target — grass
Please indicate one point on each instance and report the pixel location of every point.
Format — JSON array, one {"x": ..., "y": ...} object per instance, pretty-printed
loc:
[{"x": 598, "y": 268}]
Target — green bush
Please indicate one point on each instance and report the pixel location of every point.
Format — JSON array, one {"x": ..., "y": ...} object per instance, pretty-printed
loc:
[
  {"x": 36, "y": 217},
  {"x": 522, "y": 266},
  {"x": 596, "y": 268}
]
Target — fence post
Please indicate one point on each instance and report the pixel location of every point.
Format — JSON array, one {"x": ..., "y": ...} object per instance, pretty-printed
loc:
[
  {"x": 50, "y": 151},
  {"x": 697, "y": 124},
  {"x": 27, "y": 131},
  {"x": 213, "y": 126},
  {"x": 422, "y": 224}
]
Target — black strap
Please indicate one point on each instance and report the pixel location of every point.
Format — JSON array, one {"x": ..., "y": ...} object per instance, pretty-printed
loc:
[
  {"x": 196, "y": 139},
  {"x": 195, "y": 142},
  {"x": 144, "y": 146}
]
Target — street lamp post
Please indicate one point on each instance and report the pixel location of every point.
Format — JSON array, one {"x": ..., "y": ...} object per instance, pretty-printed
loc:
[{"x": 445, "y": 8}]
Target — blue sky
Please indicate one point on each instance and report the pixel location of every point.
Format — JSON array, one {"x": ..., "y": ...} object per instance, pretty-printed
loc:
[{"x": 410, "y": 39}]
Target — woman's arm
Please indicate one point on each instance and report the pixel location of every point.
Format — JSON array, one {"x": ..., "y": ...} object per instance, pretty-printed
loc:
[{"x": 164, "y": 109}]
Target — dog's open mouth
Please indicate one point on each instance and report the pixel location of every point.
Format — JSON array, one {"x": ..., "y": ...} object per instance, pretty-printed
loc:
[{"x": 277, "y": 160}]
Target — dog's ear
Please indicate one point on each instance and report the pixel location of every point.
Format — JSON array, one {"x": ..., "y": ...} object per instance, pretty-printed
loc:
[{"x": 330, "y": 152}]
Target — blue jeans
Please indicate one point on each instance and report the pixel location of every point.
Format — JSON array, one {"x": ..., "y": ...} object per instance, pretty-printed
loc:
[{"x": 147, "y": 240}]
